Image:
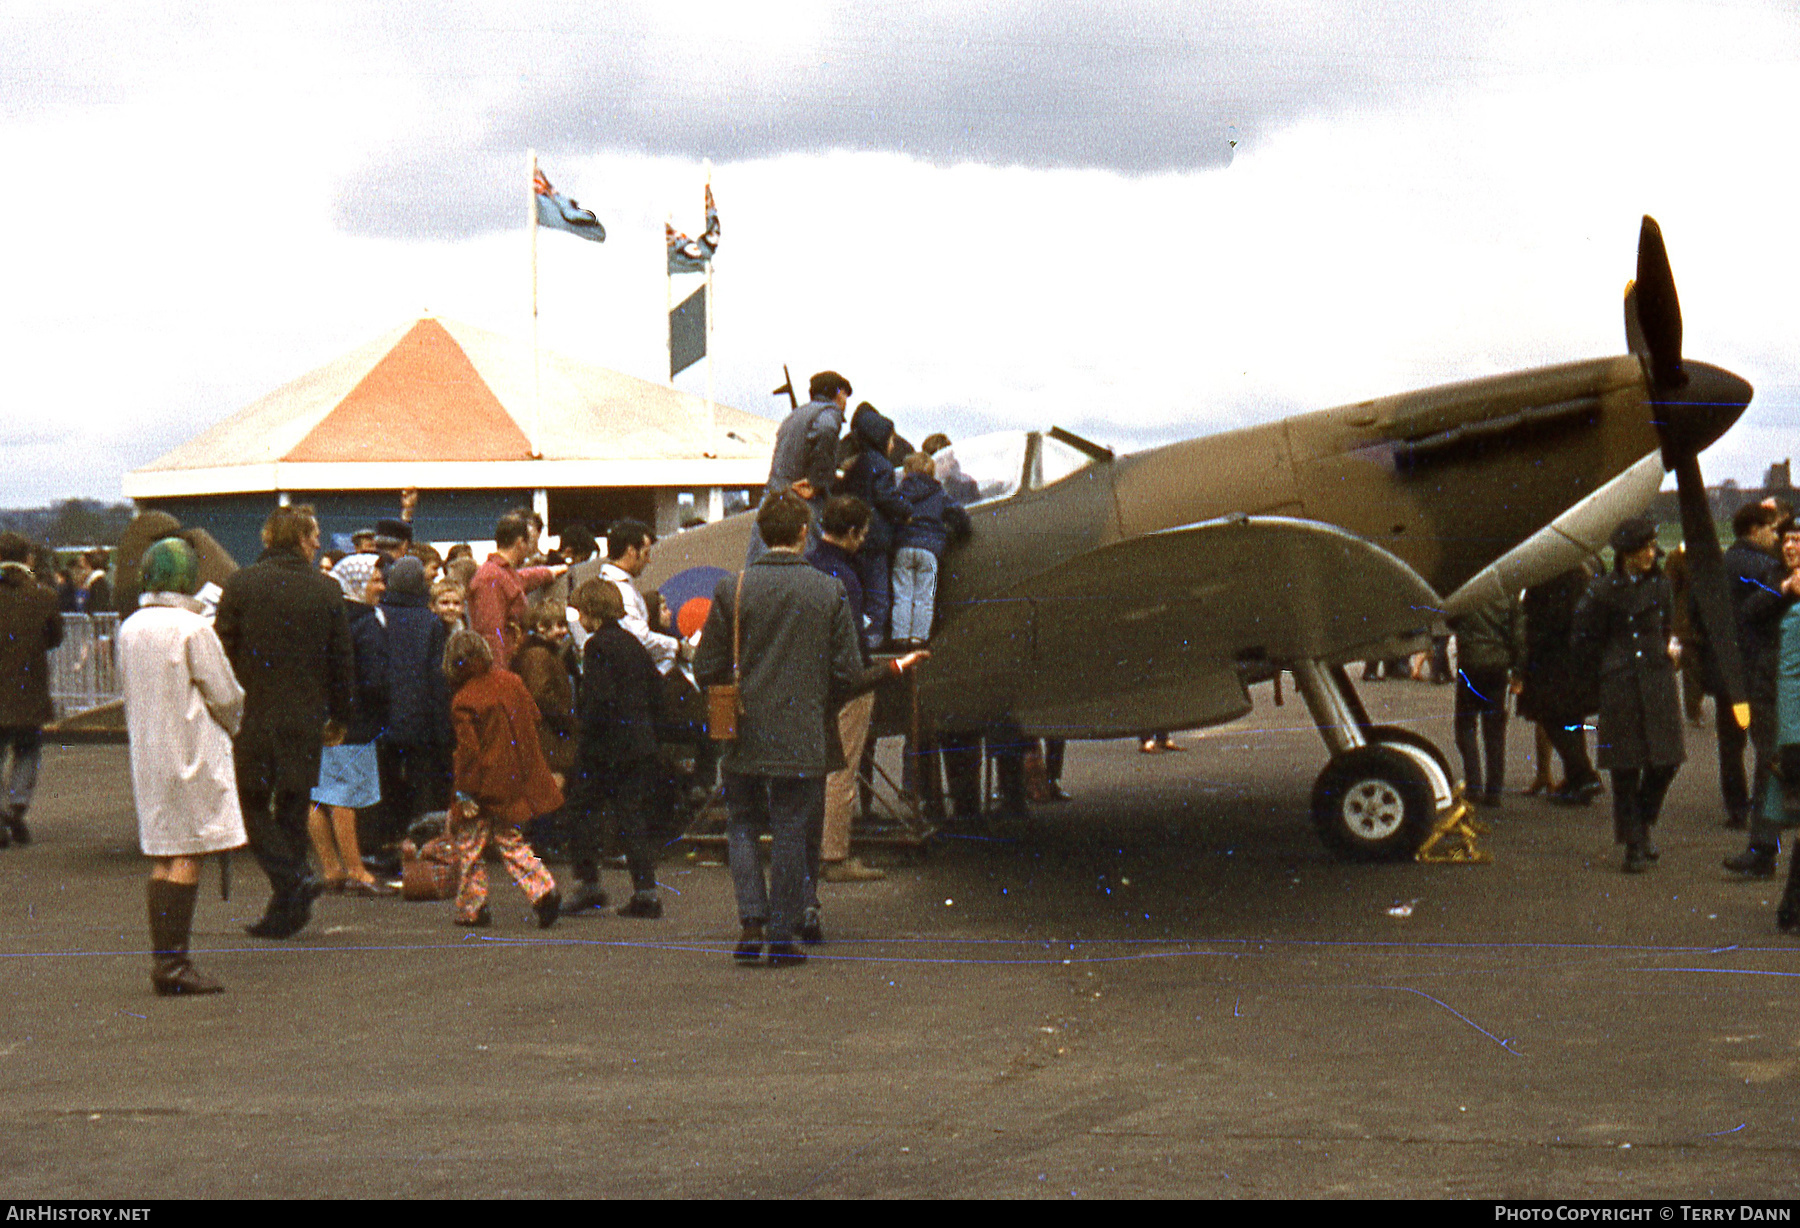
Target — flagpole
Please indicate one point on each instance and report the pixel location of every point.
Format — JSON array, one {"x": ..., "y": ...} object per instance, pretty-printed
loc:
[
  {"x": 712, "y": 415},
  {"x": 668, "y": 300},
  {"x": 531, "y": 172}
]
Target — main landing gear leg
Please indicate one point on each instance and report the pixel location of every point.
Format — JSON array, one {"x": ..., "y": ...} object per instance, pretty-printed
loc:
[{"x": 1387, "y": 792}]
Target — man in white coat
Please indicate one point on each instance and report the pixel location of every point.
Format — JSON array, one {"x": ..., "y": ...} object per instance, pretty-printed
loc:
[
  {"x": 182, "y": 706},
  {"x": 628, "y": 545}
]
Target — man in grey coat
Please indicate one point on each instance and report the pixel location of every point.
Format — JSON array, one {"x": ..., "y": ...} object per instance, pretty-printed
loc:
[
  {"x": 795, "y": 654},
  {"x": 806, "y": 448}
]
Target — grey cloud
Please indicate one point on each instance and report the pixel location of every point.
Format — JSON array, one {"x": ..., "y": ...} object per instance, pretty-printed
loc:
[
  {"x": 77, "y": 54},
  {"x": 1131, "y": 88},
  {"x": 439, "y": 192}
]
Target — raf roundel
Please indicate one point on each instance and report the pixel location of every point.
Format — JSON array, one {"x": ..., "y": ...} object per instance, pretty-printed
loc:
[{"x": 689, "y": 594}]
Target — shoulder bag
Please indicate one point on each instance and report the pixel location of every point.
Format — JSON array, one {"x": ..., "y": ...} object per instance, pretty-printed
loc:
[{"x": 723, "y": 700}]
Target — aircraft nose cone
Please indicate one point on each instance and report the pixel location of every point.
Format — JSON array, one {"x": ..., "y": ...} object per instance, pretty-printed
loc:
[{"x": 1690, "y": 418}]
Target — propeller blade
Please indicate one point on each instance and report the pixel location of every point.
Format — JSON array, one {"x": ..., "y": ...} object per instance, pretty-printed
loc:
[
  {"x": 1691, "y": 404},
  {"x": 1711, "y": 601},
  {"x": 1658, "y": 308}
]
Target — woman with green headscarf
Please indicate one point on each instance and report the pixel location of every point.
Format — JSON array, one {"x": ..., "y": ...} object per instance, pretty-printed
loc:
[{"x": 182, "y": 706}]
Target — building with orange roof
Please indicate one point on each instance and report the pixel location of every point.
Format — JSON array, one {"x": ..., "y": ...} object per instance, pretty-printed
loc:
[{"x": 460, "y": 414}]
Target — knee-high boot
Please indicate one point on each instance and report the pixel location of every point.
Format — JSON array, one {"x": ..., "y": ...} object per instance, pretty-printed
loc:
[
  {"x": 1787, "y": 917},
  {"x": 1624, "y": 803},
  {"x": 171, "y": 908}
]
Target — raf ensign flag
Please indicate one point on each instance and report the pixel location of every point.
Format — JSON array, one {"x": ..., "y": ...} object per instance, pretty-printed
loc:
[
  {"x": 693, "y": 255},
  {"x": 561, "y": 213}
]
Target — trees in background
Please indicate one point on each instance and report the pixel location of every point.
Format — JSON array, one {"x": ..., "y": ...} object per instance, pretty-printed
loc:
[{"x": 73, "y": 522}]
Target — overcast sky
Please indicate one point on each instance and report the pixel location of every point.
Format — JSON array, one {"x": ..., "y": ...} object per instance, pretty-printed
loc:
[{"x": 984, "y": 215}]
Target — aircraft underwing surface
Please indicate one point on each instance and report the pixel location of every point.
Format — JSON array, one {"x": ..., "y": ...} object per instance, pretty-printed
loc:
[{"x": 1166, "y": 619}]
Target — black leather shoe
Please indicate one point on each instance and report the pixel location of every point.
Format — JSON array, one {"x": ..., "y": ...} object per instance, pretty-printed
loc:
[
  {"x": 287, "y": 916},
  {"x": 750, "y": 945},
  {"x": 15, "y": 826},
  {"x": 587, "y": 896},
  {"x": 548, "y": 909},
  {"x": 643, "y": 904},
  {"x": 480, "y": 921},
  {"x": 1752, "y": 863},
  {"x": 283, "y": 919},
  {"x": 812, "y": 927},
  {"x": 176, "y": 977},
  {"x": 1635, "y": 861}
]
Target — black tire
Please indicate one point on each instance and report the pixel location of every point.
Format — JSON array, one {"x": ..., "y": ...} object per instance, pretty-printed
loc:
[
  {"x": 1397, "y": 733},
  {"x": 1372, "y": 804}
]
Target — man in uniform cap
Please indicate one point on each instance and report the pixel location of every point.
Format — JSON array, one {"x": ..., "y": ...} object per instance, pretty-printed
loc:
[{"x": 1627, "y": 617}]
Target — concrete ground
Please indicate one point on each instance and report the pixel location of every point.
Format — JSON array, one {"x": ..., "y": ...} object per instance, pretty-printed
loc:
[{"x": 1165, "y": 987}]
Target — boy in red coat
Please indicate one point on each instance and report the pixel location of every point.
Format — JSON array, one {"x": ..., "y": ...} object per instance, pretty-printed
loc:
[{"x": 501, "y": 780}]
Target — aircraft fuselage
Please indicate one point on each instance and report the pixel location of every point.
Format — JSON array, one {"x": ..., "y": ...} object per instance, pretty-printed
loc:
[{"x": 1447, "y": 479}]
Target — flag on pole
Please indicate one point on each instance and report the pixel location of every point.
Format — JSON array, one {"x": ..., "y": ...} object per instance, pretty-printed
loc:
[
  {"x": 561, "y": 213},
  {"x": 693, "y": 255},
  {"x": 687, "y": 333}
]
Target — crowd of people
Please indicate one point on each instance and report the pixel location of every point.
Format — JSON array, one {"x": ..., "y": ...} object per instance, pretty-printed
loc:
[
  {"x": 1621, "y": 648},
  {"x": 334, "y": 710},
  {"x": 341, "y": 709}
]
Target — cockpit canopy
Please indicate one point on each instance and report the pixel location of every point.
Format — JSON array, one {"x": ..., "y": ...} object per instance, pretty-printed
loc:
[{"x": 998, "y": 465}]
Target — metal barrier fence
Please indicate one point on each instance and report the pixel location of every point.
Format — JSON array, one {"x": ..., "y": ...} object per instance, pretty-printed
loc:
[{"x": 83, "y": 671}]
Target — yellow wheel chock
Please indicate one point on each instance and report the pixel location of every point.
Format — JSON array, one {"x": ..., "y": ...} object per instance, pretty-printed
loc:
[{"x": 1457, "y": 831}]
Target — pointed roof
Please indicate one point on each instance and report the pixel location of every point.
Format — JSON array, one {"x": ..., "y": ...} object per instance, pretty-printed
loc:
[
  {"x": 443, "y": 405},
  {"x": 422, "y": 399}
]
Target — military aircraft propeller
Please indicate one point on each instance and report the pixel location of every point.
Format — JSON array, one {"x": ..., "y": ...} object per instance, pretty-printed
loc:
[{"x": 1693, "y": 404}]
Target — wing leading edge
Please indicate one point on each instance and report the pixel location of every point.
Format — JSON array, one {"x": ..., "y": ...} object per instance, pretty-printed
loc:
[{"x": 1148, "y": 633}]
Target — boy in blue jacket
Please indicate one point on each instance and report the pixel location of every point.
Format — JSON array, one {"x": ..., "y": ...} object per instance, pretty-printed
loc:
[{"x": 936, "y": 522}]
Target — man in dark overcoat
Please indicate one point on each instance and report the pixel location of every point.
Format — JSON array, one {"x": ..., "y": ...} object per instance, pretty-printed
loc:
[
  {"x": 30, "y": 626},
  {"x": 1559, "y": 691},
  {"x": 416, "y": 745},
  {"x": 1753, "y": 576},
  {"x": 618, "y": 707},
  {"x": 870, "y": 477},
  {"x": 1627, "y": 618},
  {"x": 283, "y": 625},
  {"x": 798, "y": 657}
]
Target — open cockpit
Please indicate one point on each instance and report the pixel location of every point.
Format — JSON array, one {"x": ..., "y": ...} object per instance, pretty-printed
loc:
[{"x": 1000, "y": 464}]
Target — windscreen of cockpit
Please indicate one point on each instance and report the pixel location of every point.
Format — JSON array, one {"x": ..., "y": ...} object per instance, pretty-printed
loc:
[
  {"x": 983, "y": 468},
  {"x": 1056, "y": 460}
]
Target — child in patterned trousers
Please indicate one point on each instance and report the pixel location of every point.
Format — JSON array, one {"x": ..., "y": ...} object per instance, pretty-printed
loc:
[
  {"x": 502, "y": 780},
  {"x": 470, "y": 838}
]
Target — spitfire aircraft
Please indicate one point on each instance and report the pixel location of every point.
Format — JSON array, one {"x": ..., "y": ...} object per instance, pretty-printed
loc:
[{"x": 1102, "y": 596}]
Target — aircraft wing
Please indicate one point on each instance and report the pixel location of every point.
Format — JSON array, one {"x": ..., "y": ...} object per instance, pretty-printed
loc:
[{"x": 1148, "y": 633}]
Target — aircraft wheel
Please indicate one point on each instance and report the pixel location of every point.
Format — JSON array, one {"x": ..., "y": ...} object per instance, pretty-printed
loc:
[{"x": 1372, "y": 804}]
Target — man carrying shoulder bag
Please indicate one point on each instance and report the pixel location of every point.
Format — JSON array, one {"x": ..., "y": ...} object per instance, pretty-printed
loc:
[{"x": 784, "y": 633}]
